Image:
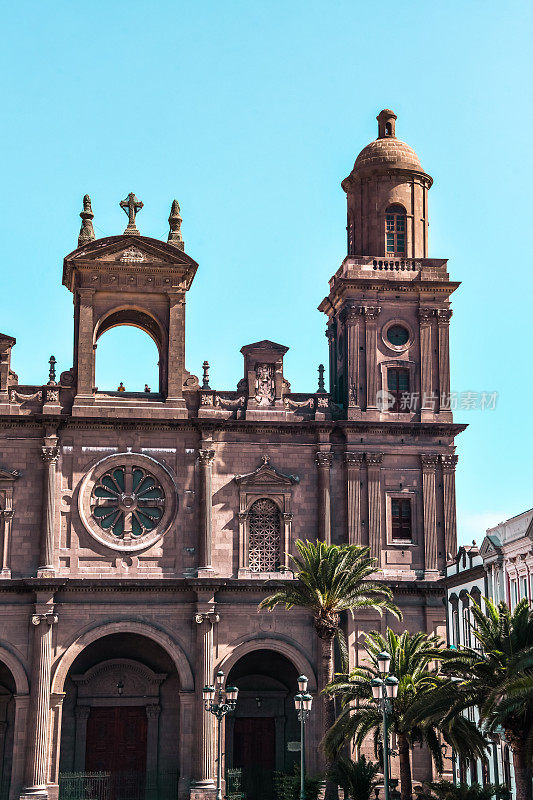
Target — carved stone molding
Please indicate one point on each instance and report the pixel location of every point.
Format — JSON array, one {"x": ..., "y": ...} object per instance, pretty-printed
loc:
[
  {"x": 374, "y": 459},
  {"x": 425, "y": 315},
  {"x": 443, "y": 316},
  {"x": 206, "y": 616},
  {"x": 49, "y": 453},
  {"x": 49, "y": 617},
  {"x": 371, "y": 313},
  {"x": 429, "y": 460},
  {"x": 206, "y": 457},
  {"x": 449, "y": 462},
  {"x": 324, "y": 460},
  {"x": 352, "y": 314},
  {"x": 353, "y": 459}
]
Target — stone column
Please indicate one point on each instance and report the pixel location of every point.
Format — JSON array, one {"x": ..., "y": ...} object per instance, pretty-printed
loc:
[
  {"x": 84, "y": 342},
  {"x": 81, "y": 714},
  {"x": 323, "y": 462},
  {"x": 20, "y": 725},
  {"x": 206, "y": 458},
  {"x": 443, "y": 331},
  {"x": 429, "y": 465},
  {"x": 425, "y": 316},
  {"x": 449, "y": 463},
  {"x": 152, "y": 748},
  {"x": 374, "y": 461},
  {"x": 6, "y": 516},
  {"x": 353, "y": 463},
  {"x": 187, "y": 748},
  {"x": 332, "y": 352},
  {"x": 371, "y": 314},
  {"x": 49, "y": 454},
  {"x": 176, "y": 351},
  {"x": 38, "y": 732},
  {"x": 287, "y": 517},
  {"x": 205, "y": 619},
  {"x": 56, "y": 707},
  {"x": 352, "y": 318}
]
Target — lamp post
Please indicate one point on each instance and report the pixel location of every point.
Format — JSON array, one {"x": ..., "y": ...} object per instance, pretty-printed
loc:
[
  {"x": 303, "y": 702},
  {"x": 384, "y": 690},
  {"x": 218, "y": 701}
]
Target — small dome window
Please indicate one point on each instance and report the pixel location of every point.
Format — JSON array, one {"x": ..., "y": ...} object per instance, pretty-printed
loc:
[
  {"x": 395, "y": 228},
  {"x": 388, "y": 129}
]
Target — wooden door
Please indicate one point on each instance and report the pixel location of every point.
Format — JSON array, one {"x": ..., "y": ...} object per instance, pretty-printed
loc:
[
  {"x": 254, "y": 751},
  {"x": 116, "y": 740}
]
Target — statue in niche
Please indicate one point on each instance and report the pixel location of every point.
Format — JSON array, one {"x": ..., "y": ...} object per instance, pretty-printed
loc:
[{"x": 265, "y": 388}]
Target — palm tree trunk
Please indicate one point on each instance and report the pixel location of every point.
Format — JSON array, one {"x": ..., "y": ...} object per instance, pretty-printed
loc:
[
  {"x": 522, "y": 773},
  {"x": 404, "y": 753},
  {"x": 329, "y": 706}
]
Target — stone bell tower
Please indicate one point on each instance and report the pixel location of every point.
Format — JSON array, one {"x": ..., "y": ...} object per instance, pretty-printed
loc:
[
  {"x": 130, "y": 280},
  {"x": 388, "y": 307}
]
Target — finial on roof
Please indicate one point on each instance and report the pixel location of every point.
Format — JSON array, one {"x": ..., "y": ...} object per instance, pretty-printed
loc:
[
  {"x": 131, "y": 205},
  {"x": 52, "y": 371},
  {"x": 86, "y": 230},
  {"x": 386, "y": 124},
  {"x": 174, "y": 235},
  {"x": 321, "y": 387},
  {"x": 205, "y": 379}
]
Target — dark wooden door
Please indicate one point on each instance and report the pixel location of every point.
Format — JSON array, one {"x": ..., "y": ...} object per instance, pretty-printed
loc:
[
  {"x": 116, "y": 743},
  {"x": 254, "y": 751}
]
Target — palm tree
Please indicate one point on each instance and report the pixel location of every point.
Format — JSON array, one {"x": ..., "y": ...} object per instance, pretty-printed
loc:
[
  {"x": 497, "y": 677},
  {"x": 357, "y": 778},
  {"x": 446, "y": 790},
  {"x": 411, "y": 658},
  {"x": 330, "y": 579}
]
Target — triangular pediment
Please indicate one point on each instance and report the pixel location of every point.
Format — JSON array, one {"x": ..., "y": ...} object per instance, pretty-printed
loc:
[
  {"x": 133, "y": 249},
  {"x": 9, "y": 475},
  {"x": 266, "y": 474},
  {"x": 264, "y": 344},
  {"x": 490, "y": 545}
]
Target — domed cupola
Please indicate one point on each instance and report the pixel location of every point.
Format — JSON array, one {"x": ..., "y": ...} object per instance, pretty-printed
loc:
[{"x": 387, "y": 197}]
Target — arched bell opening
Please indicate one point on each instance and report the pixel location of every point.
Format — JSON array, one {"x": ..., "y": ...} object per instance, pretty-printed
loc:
[
  {"x": 127, "y": 367},
  {"x": 7, "y": 725},
  {"x": 121, "y": 721},
  {"x": 262, "y": 734}
]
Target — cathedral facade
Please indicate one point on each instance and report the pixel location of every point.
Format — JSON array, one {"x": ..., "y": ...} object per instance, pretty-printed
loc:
[{"x": 139, "y": 531}]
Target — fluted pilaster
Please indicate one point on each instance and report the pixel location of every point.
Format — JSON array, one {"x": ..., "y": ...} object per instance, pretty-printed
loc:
[
  {"x": 374, "y": 461},
  {"x": 352, "y": 462},
  {"x": 49, "y": 454},
  {"x": 205, "y": 767},
  {"x": 429, "y": 466},
  {"x": 425, "y": 316},
  {"x": 443, "y": 331},
  {"x": 449, "y": 462},
  {"x": 323, "y": 462},
  {"x": 206, "y": 458},
  {"x": 371, "y": 314}
]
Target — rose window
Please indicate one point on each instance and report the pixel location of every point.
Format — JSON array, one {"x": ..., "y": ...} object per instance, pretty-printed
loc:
[
  {"x": 264, "y": 543},
  {"x": 128, "y": 502}
]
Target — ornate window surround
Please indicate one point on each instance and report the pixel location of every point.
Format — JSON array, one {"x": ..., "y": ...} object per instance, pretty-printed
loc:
[
  {"x": 7, "y": 484},
  {"x": 163, "y": 476},
  {"x": 267, "y": 483},
  {"x": 403, "y": 494}
]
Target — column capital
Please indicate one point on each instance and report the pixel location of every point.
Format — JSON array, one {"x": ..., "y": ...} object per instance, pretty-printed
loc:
[
  {"x": 49, "y": 453},
  {"x": 371, "y": 313},
  {"x": 353, "y": 459},
  {"x": 7, "y": 513},
  {"x": 425, "y": 315},
  {"x": 449, "y": 462},
  {"x": 324, "y": 460},
  {"x": 330, "y": 333},
  {"x": 82, "y": 712},
  {"x": 351, "y": 314},
  {"x": 49, "y": 617},
  {"x": 429, "y": 460},
  {"x": 206, "y": 616},
  {"x": 206, "y": 457},
  {"x": 287, "y": 516},
  {"x": 153, "y": 710},
  {"x": 443, "y": 315},
  {"x": 374, "y": 459}
]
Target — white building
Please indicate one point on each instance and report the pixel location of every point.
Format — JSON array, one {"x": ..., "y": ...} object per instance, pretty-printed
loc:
[{"x": 501, "y": 569}]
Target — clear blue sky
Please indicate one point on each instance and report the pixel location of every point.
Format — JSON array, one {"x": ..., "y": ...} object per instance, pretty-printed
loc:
[{"x": 251, "y": 113}]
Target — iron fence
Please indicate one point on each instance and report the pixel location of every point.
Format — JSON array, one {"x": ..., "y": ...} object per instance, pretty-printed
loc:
[{"x": 118, "y": 786}]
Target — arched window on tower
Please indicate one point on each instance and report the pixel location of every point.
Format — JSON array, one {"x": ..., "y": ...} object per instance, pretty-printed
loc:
[
  {"x": 264, "y": 536},
  {"x": 395, "y": 228}
]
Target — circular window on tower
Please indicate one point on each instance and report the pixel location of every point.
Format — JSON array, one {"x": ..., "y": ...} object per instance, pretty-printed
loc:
[
  {"x": 397, "y": 336},
  {"x": 127, "y": 501}
]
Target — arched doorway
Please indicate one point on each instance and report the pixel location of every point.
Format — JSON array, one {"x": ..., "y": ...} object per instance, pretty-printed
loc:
[
  {"x": 7, "y": 722},
  {"x": 262, "y": 735},
  {"x": 119, "y": 735}
]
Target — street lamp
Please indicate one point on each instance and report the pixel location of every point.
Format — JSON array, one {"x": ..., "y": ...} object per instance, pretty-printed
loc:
[
  {"x": 384, "y": 690},
  {"x": 303, "y": 702},
  {"x": 218, "y": 701}
]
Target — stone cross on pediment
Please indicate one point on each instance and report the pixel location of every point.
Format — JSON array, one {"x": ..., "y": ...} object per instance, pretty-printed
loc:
[{"x": 131, "y": 205}]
